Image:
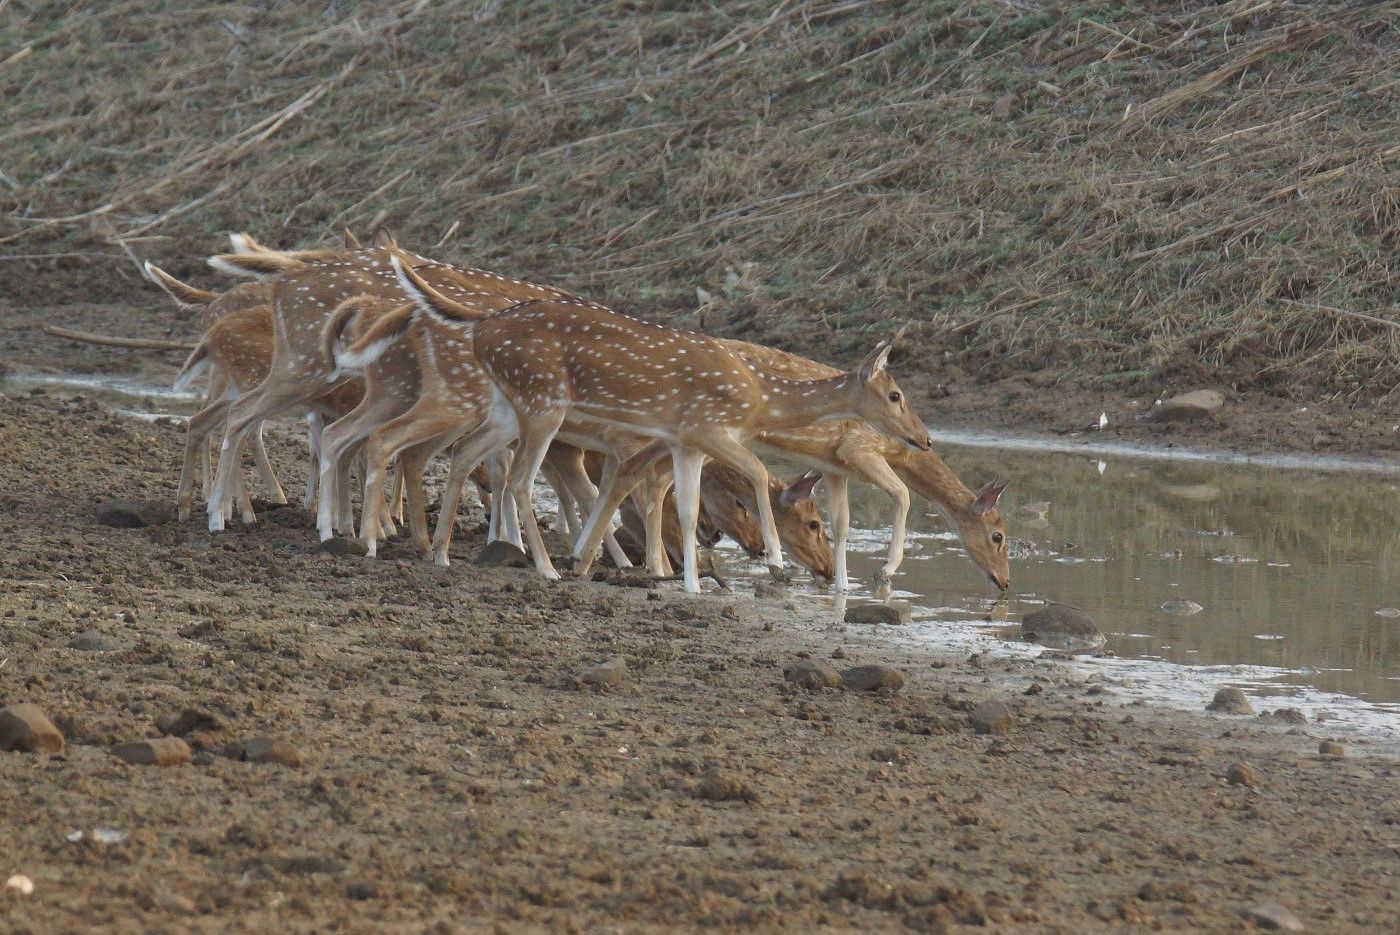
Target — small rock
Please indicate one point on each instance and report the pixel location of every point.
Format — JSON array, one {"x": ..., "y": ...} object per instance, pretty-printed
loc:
[
  {"x": 1230, "y": 701},
  {"x": 502, "y": 553},
  {"x": 605, "y": 674},
  {"x": 718, "y": 785},
  {"x": 1240, "y": 774},
  {"x": 1182, "y": 607},
  {"x": 190, "y": 720},
  {"x": 265, "y": 749},
  {"x": 890, "y": 612},
  {"x": 91, "y": 641},
  {"x": 163, "y": 751},
  {"x": 1287, "y": 716},
  {"x": 339, "y": 545},
  {"x": 362, "y": 890},
  {"x": 1331, "y": 748},
  {"x": 1061, "y": 626},
  {"x": 1273, "y": 917},
  {"x": 809, "y": 673},
  {"x": 1388, "y": 612},
  {"x": 133, "y": 514},
  {"x": 872, "y": 678},
  {"x": 24, "y": 727},
  {"x": 992, "y": 717},
  {"x": 20, "y": 884},
  {"x": 174, "y": 902},
  {"x": 1197, "y": 404},
  {"x": 762, "y": 589}
]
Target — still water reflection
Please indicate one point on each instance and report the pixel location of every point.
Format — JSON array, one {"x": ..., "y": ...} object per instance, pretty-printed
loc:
[{"x": 1292, "y": 569}]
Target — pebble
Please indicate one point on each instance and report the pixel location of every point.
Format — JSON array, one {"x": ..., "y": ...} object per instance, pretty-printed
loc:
[
  {"x": 1197, "y": 404},
  {"x": 1273, "y": 917},
  {"x": 190, "y": 720},
  {"x": 1331, "y": 748},
  {"x": 992, "y": 717},
  {"x": 265, "y": 749},
  {"x": 21, "y": 884},
  {"x": 605, "y": 674},
  {"x": 502, "y": 553},
  {"x": 91, "y": 641},
  {"x": 891, "y": 612},
  {"x": 363, "y": 890},
  {"x": 163, "y": 751},
  {"x": 133, "y": 514},
  {"x": 24, "y": 727},
  {"x": 1240, "y": 774},
  {"x": 1063, "y": 627},
  {"x": 872, "y": 678},
  {"x": 718, "y": 785},
  {"x": 340, "y": 545},
  {"x": 1287, "y": 716},
  {"x": 1230, "y": 701},
  {"x": 1182, "y": 607},
  {"x": 762, "y": 589},
  {"x": 809, "y": 673}
]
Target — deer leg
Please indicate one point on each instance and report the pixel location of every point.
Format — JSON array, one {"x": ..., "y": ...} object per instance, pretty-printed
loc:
[
  {"x": 271, "y": 397},
  {"x": 503, "y": 512},
  {"x": 269, "y": 477},
  {"x": 723, "y": 448},
  {"x": 412, "y": 438},
  {"x": 487, "y": 439},
  {"x": 838, "y": 503},
  {"x": 217, "y": 392},
  {"x": 618, "y": 482},
  {"x": 654, "y": 486},
  {"x": 877, "y": 471},
  {"x": 314, "y": 426},
  {"x": 568, "y": 462},
  {"x": 686, "y": 464},
  {"x": 530, "y": 449},
  {"x": 197, "y": 431}
]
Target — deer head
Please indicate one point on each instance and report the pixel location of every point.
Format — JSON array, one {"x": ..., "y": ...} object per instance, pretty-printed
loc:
[
  {"x": 728, "y": 499},
  {"x": 983, "y": 534},
  {"x": 880, "y": 401}
]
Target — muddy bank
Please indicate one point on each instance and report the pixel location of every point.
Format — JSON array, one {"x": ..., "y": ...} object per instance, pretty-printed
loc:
[{"x": 439, "y": 759}]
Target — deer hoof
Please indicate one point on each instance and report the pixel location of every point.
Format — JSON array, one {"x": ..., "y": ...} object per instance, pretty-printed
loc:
[{"x": 780, "y": 574}]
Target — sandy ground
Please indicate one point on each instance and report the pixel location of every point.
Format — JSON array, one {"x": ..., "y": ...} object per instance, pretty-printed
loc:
[{"x": 449, "y": 770}]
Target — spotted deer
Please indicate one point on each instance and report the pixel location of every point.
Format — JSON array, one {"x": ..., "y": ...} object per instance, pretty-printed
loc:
[
  {"x": 238, "y": 347},
  {"x": 213, "y": 306},
  {"x": 308, "y": 287},
  {"x": 549, "y": 360},
  {"x": 848, "y": 449}
]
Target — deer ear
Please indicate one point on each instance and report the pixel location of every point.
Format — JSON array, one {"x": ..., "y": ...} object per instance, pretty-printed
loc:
[
  {"x": 351, "y": 241},
  {"x": 382, "y": 238},
  {"x": 799, "y": 490},
  {"x": 874, "y": 362},
  {"x": 987, "y": 497}
]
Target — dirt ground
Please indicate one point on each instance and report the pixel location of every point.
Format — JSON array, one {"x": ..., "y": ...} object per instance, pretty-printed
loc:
[{"x": 448, "y": 770}]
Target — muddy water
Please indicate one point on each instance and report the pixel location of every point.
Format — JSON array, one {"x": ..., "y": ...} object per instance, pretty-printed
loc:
[{"x": 1296, "y": 571}]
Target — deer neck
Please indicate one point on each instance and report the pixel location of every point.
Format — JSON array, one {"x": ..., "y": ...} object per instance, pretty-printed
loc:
[
  {"x": 795, "y": 403},
  {"x": 929, "y": 476}
]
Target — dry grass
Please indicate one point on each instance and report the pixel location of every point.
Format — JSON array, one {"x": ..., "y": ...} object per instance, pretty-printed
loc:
[{"x": 1123, "y": 193}]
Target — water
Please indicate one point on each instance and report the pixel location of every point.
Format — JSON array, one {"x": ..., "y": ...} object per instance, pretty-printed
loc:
[
  {"x": 1294, "y": 561},
  {"x": 1297, "y": 572}
]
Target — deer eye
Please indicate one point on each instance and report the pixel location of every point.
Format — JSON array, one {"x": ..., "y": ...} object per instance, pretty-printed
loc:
[
  {"x": 896, "y": 396},
  {"x": 997, "y": 538},
  {"x": 815, "y": 525}
]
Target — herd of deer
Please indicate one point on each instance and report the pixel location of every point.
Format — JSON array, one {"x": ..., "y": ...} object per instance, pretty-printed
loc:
[{"x": 395, "y": 358}]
